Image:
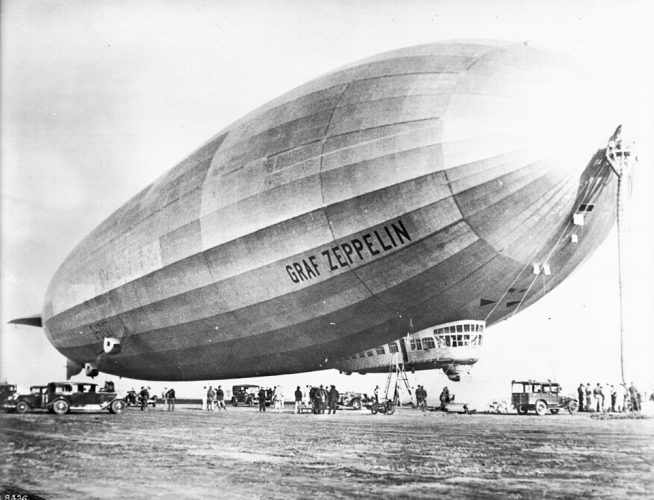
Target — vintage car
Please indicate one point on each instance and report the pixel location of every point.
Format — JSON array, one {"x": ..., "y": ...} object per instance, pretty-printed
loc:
[
  {"x": 63, "y": 397},
  {"x": 245, "y": 394},
  {"x": 7, "y": 392},
  {"x": 23, "y": 403},
  {"x": 540, "y": 397},
  {"x": 350, "y": 400}
]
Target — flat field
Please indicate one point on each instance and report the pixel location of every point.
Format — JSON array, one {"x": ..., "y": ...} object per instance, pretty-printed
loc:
[{"x": 241, "y": 453}]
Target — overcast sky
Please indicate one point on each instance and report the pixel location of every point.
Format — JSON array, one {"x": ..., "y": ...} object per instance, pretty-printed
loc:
[{"x": 99, "y": 98}]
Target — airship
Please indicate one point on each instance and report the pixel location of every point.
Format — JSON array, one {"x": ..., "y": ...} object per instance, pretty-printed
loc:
[{"x": 455, "y": 181}]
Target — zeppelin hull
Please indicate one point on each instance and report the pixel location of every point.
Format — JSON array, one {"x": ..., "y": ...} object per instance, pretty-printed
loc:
[{"x": 416, "y": 187}]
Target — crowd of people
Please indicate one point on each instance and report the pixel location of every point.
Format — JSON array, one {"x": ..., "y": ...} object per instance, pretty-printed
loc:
[
  {"x": 318, "y": 399},
  {"x": 608, "y": 398}
]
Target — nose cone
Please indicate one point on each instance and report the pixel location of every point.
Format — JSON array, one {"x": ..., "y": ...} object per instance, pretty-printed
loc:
[{"x": 519, "y": 132}]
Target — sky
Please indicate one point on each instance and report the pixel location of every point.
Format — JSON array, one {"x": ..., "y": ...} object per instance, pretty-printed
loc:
[{"x": 100, "y": 98}]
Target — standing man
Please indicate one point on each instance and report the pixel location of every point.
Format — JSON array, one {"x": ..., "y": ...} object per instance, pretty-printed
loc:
[
  {"x": 580, "y": 396},
  {"x": 170, "y": 397},
  {"x": 597, "y": 394},
  {"x": 424, "y": 398},
  {"x": 211, "y": 395},
  {"x": 298, "y": 400},
  {"x": 589, "y": 397},
  {"x": 323, "y": 399},
  {"x": 614, "y": 397},
  {"x": 635, "y": 398},
  {"x": 620, "y": 398},
  {"x": 204, "y": 397},
  {"x": 220, "y": 396},
  {"x": 333, "y": 400},
  {"x": 262, "y": 399},
  {"x": 444, "y": 398},
  {"x": 376, "y": 394},
  {"x": 144, "y": 395}
]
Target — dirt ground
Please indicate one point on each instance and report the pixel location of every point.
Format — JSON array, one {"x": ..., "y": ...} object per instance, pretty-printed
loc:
[{"x": 243, "y": 454}]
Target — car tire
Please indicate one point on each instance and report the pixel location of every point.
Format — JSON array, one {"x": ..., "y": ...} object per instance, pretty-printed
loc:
[
  {"x": 523, "y": 409},
  {"x": 541, "y": 407},
  {"x": 356, "y": 404},
  {"x": 390, "y": 409},
  {"x": 22, "y": 407},
  {"x": 117, "y": 406},
  {"x": 60, "y": 407},
  {"x": 573, "y": 406},
  {"x": 373, "y": 408}
]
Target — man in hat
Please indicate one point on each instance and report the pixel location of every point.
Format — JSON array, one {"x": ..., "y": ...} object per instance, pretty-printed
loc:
[
  {"x": 220, "y": 396},
  {"x": 262, "y": 399},
  {"x": 333, "y": 400},
  {"x": 298, "y": 400}
]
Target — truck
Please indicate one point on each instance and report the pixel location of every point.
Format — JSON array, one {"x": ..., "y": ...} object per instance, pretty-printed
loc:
[{"x": 540, "y": 397}]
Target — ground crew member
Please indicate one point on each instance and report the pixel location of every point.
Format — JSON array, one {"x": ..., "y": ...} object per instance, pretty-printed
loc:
[
  {"x": 599, "y": 397},
  {"x": 418, "y": 395},
  {"x": 580, "y": 396},
  {"x": 220, "y": 395},
  {"x": 144, "y": 395},
  {"x": 211, "y": 395},
  {"x": 323, "y": 399},
  {"x": 635, "y": 397},
  {"x": 333, "y": 400},
  {"x": 424, "y": 398},
  {"x": 614, "y": 397},
  {"x": 376, "y": 394},
  {"x": 262, "y": 399},
  {"x": 298, "y": 400},
  {"x": 589, "y": 397},
  {"x": 170, "y": 396},
  {"x": 444, "y": 398}
]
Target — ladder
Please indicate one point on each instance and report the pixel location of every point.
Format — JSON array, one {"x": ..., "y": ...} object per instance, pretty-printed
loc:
[{"x": 396, "y": 375}]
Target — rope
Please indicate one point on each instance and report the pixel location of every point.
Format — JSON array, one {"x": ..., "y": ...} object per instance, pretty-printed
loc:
[
  {"x": 618, "y": 216},
  {"x": 590, "y": 191},
  {"x": 556, "y": 191},
  {"x": 622, "y": 159}
]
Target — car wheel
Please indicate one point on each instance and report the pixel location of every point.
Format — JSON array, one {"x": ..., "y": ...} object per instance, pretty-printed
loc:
[
  {"x": 390, "y": 409},
  {"x": 60, "y": 407},
  {"x": 554, "y": 411},
  {"x": 356, "y": 404},
  {"x": 523, "y": 409},
  {"x": 117, "y": 406},
  {"x": 22, "y": 407},
  {"x": 373, "y": 408},
  {"x": 541, "y": 407}
]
